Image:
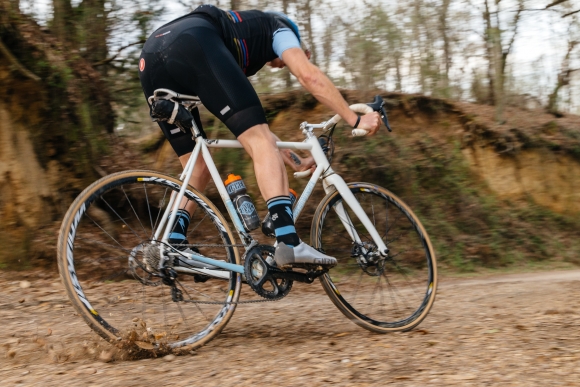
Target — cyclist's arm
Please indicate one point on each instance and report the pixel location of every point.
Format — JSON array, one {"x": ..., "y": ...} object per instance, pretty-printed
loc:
[{"x": 314, "y": 80}]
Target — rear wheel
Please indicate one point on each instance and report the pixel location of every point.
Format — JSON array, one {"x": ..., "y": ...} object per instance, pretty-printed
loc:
[
  {"x": 108, "y": 259},
  {"x": 379, "y": 293}
]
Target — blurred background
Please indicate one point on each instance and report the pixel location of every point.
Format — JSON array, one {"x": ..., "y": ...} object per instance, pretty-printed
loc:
[{"x": 483, "y": 96}]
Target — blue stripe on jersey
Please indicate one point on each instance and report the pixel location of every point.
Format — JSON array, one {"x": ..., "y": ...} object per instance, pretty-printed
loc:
[
  {"x": 234, "y": 16},
  {"x": 245, "y": 54}
]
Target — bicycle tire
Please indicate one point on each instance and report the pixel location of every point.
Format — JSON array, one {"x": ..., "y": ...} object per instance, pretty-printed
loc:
[
  {"x": 102, "y": 257},
  {"x": 410, "y": 254}
]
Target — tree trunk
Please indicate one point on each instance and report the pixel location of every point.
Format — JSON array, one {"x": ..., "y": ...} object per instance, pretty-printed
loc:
[
  {"x": 95, "y": 31},
  {"x": 63, "y": 22},
  {"x": 498, "y": 66},
  {"x": 52, "y": 130},
  {"x": 286, "y": 74},
  {"x": 307, "y": 12},
  {"x": 443, "y": 14},
  {"x": 563, "y": 80},
  {"x": 489, "y": 49}
]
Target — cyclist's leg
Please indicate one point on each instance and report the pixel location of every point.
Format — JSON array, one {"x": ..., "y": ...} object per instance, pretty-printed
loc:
[
  {"x": 271, "y": 175},
  {"x": 153, "y": 76}
]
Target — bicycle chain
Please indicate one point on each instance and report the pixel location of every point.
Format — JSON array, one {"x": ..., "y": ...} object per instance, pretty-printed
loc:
[{"x": 230, "y": 303}]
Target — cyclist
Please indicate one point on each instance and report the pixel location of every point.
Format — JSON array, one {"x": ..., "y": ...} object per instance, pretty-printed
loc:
[{"x": 210, "y": 53}]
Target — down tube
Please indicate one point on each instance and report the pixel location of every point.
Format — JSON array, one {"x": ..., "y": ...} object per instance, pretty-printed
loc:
[{"x": 349, "y": 198}]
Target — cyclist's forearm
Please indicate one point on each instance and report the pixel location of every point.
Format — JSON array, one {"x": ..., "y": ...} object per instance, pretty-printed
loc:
[
  {"x": 317, "y": 83},
  {"x": 314, "y": 80}
]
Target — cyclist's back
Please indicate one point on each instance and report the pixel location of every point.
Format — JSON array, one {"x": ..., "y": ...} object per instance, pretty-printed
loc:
[{"x": 202, "y": 54}]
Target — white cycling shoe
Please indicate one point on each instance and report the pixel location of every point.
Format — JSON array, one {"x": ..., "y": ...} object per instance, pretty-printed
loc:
[{"x": 301, "y": 256}]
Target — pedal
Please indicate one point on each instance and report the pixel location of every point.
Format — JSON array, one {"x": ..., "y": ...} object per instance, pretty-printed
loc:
[{"x": 308, "y": 277}]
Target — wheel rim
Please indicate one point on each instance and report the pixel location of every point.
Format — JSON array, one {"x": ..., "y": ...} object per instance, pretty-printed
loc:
[
  {"x": 393, "y": 293},
  {"x": 107, "y": 241}
]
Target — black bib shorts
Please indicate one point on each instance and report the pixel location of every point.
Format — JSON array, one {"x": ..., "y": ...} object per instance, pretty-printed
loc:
[{"x": 189, "y": 56}]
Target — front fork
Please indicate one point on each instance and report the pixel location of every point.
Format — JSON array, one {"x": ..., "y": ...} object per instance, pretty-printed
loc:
[{"x": 332, "y": 182}]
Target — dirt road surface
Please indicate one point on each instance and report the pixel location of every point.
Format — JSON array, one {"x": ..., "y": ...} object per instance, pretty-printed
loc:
[{"x": 509, "y": 330}]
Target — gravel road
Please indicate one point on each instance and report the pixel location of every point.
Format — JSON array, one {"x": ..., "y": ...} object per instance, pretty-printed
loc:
[{"x": 518, "y": 329}]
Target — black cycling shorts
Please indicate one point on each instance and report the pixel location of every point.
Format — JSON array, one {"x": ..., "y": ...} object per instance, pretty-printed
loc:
[{"x": 189, "y": 56}]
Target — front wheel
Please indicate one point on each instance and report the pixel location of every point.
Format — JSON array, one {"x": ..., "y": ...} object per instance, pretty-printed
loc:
[
  {"x": 380, "y": 293},
  {"x": 108, "y": 259}
]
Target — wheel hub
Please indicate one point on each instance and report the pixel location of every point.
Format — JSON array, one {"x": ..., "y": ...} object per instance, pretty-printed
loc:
[
  {"x": 143, "y": 263},
  {"x": 368, "y": 258}
]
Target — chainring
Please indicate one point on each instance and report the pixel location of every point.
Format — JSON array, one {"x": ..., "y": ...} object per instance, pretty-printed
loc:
[{"x": 259, "y": 274}]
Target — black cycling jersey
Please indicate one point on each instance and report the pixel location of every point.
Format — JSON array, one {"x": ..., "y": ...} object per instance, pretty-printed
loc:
[
  {"x": 210, "y": 53},
  {"x": 248, "y": 35}
]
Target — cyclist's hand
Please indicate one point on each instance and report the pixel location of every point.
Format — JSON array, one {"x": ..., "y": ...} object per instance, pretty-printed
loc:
[{"x": 370, "y": 122}]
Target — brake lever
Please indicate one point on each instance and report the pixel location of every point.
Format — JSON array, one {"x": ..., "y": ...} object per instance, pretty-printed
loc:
[
  {"x": 378, "y": 106},
  {"x": 385, "y": 119}
]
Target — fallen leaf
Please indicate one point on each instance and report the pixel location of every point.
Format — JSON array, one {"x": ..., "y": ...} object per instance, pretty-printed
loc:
[
  {"x": 159, "y": 336},
  {"x": 144, "y": 345}
]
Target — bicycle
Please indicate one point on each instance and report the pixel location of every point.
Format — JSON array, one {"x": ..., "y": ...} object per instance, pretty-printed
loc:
[{"x": 129, "y": 283}]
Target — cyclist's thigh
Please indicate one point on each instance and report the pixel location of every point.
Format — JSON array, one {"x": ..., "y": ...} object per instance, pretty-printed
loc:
[
  {"x": 200, "y": 58},
  {"x": 153, "y": 75}
]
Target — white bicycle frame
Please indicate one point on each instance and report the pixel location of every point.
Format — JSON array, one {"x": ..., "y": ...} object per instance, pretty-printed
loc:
[{"x": 331, "y": 181}]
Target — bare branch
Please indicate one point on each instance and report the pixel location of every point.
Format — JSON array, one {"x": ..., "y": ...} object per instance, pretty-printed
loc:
[
  {"x": 23, "y": 70},
  {"x": 571, "y": 13},
  {"x": 554, "y": 3},
  {"x": 516, "y": 20},
  {"x": 109, "y": 60}
]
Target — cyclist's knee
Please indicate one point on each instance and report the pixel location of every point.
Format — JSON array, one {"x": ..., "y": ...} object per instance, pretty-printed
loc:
[{"x": 258, "y": 137}]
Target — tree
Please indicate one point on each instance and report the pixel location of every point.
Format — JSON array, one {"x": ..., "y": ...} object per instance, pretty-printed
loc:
[
  {"x": 564, "y": 76},
  {"x": 498, "y": 51},
  {"x": 53, "y": 127}
]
